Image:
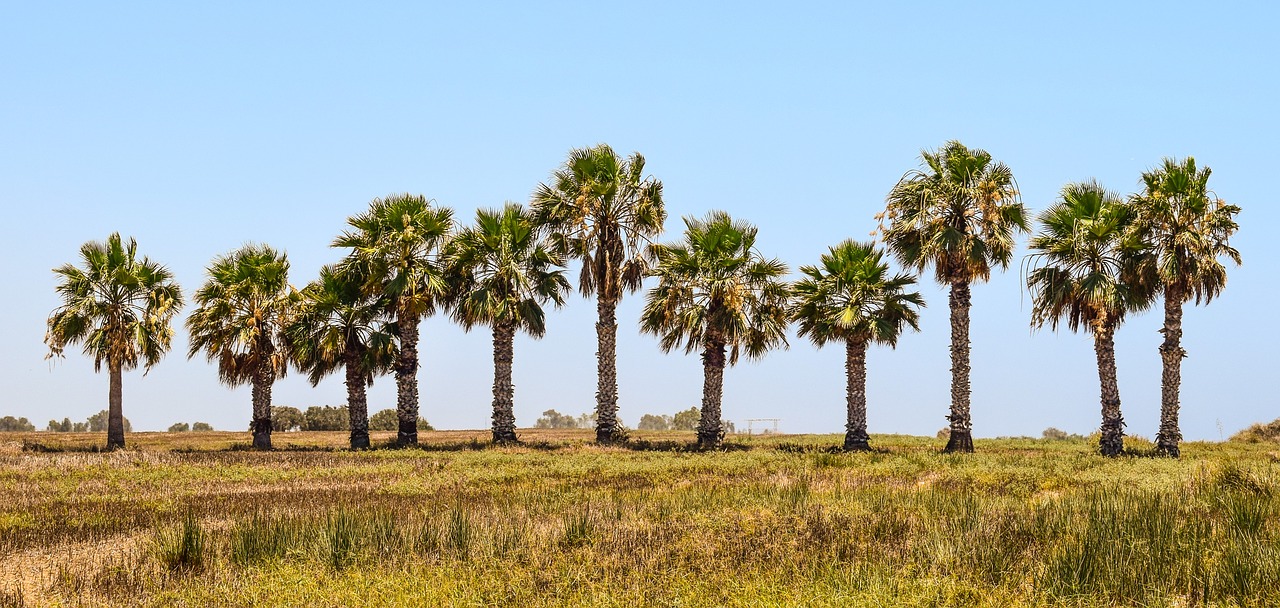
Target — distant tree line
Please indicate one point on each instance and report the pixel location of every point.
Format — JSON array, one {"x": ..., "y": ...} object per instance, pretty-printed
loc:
[
  {"x": 96, "y": 423},
  {"x": 20, "y": 425},
  {"x": 332, "y": 418}
]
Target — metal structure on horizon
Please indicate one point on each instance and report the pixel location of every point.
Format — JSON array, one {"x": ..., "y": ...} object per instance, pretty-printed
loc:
[{"x": 763, "y": 426}]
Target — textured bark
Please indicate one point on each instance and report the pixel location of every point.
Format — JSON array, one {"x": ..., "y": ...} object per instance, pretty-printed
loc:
[
  {"x": 961, "y": 439},
  {"x": 407, "y": 381},
  {"x": 262, "y": 380},
  {"x": 357, "y": 400},
  {"x": 504, "y": 418},
  {"x": 855, "y": 368},
  {"x": 1112, "y": 441},
  {"x": 115, "y": 403},
  {"x": 606, "y": 371},
  {"x": 1171, "y": 354},
  {"x": 710, "y": 431}
]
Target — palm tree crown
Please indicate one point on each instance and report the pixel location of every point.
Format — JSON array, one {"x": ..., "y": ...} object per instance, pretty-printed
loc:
[
  {"x": 503, "y": 272},
  {"x": 120, "y": 308},
  {"x": 604, "y": 211},
  {"x": 851, "y": 297},
  {"x": 397, "y": 243},
  {"x": 335, "y": 317},
  {"x": 242, "y": 310},
  {"x": 716, "y": 292},
  {"x": 1187, "y": 228},
  {"x": 960, "y": 214},
  {"x": 1083, "y": 266}
]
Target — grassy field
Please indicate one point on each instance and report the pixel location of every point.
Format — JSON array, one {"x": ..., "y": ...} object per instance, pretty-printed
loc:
[{"x": 196, "y": 520}]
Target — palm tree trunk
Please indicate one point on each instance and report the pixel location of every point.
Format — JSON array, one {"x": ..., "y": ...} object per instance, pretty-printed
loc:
[
  {"x": 855, "y": 368},
  {"x": 961, "y": 439},
  {"x": 607, "y": 370},
  {"x": 710, "y": 431},
  {"x": 1171, "y": 353},
  {"x": 504, "y": 418},
  {"x": 407, "y": 379},
  {"x": 1112, "y": 440},
  {"x": 263, "y": 377},
  {"x": 115, "y": 405},
  {"x": 357, "y": 400}
]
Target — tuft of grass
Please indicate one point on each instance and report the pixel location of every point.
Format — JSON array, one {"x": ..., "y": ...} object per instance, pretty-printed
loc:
[
  {"x": 460, "y": 533},
  {"x": 183, "y": 549},
  {"x": 579, "y": 528},
  {"x": 339, "y": 536}
]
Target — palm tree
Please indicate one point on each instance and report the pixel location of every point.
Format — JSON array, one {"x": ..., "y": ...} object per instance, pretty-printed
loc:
[
  {"x": 239, "y": 322},
  {"x": 1083, "y": 272},
  {"x": 1187, "y": 228},
  {"x": 504, "y": 271},
  {"x": 852, "y": 298},
  {"x": 716, "y": 292},
  {"x": 120, "y": 308},
  {"x": 338, "y": 325},
  {"x": 960, "y": 213},
  {"x": 397, "y": 243},
  {"x": 604, "y": 211}
]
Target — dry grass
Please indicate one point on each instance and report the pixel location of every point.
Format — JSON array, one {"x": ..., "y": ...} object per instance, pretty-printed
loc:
[{"x": 194, "y": 519}]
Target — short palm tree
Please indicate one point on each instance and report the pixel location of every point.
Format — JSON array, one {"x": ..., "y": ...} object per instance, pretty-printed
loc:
[
  {"x": 1188, "y": 229},
  {"x": 504, "y": 271},
  {"x": 120, "y": 308},
  {"x": 242, "y": 310},
  {"x": 1082, "y": 271},
  {"x": 604, "y": 211},
  {"x": 850, "y": 297},
  {"x": 397, "y": 243},
  {"x": 715, "y": 293},
  {"x": 960, "y": 213},
  {"x": 338, "y": 325}
]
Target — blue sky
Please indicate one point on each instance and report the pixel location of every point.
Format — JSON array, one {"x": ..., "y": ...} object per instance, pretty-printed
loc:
[{"x": 198, "y": 128}]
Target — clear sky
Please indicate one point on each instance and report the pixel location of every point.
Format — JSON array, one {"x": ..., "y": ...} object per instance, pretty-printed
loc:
[{"x": 198, "y": 127}]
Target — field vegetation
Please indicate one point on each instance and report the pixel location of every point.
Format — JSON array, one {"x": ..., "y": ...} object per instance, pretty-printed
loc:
[{"x": 200, "y": 519}]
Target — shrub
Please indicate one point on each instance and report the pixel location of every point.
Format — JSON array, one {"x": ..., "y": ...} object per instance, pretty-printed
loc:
[
  {"x": 1054, "y": 433},
  {"x": 179, "y": 427},
  {"x": 200, "y": 427}
]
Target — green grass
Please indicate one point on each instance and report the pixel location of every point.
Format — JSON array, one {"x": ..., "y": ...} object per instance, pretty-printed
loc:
[{"x": 559, "y": 522}]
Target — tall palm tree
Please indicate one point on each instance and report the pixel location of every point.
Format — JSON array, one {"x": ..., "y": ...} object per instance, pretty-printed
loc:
[
  {"x": 242, "y": 310},
  {"x": 959, "y": 213},
  {"x": 604, "y": 211},
  {"x": 120, "y": 308},
  {"x": 715, "y": 293},
  {"x": 504, "y": 271},
  {"x": 1187, "y": 228},
  {"x": 1082, "y": 270},
  {"x": 397, "y": 243},
  {"x": 338, "y": 325},
  {"x": 851, "y": 298}
]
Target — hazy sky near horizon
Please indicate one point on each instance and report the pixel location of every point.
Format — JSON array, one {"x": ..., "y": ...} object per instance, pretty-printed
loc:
[{"x": 196, "y": 128}]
